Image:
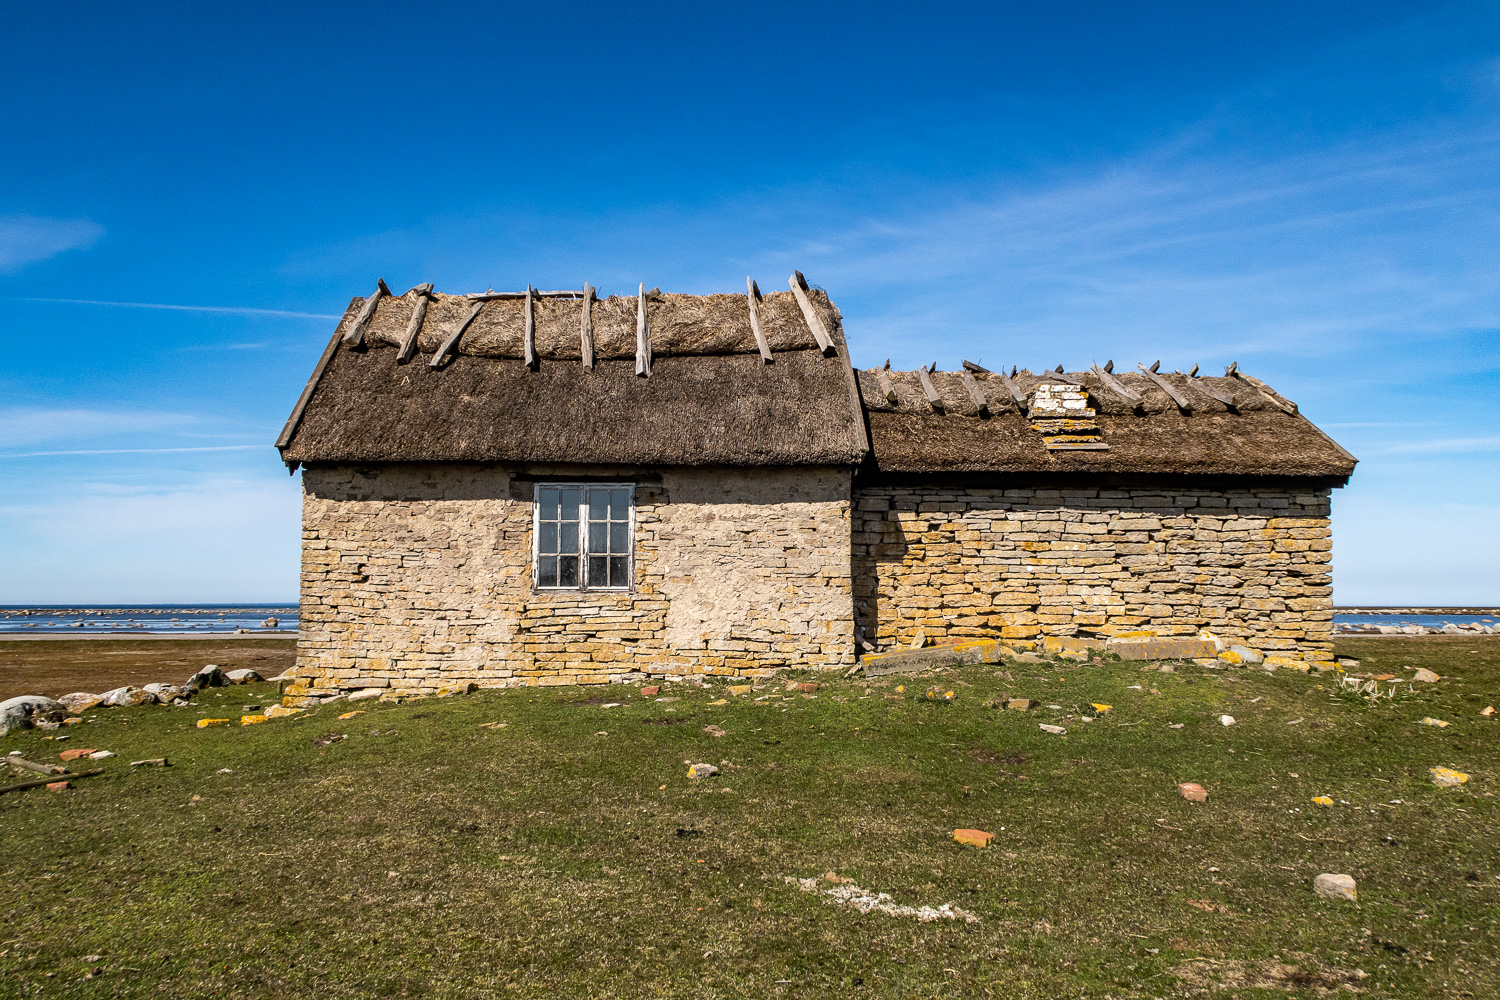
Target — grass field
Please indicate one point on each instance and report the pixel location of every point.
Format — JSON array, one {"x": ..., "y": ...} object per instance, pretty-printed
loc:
[{"x": 567, "y": 854}]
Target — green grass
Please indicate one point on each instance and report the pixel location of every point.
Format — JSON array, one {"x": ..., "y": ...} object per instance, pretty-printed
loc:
[{"x": 426, "y": 856}]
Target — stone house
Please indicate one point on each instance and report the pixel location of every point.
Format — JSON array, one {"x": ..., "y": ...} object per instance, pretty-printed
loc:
[{"x": 554, "y": 488}]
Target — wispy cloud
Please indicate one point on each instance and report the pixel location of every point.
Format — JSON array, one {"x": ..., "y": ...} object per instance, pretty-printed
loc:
[
  {"x": 135, "y": 451},
  {"x": 22, "y": 426},
  {"x": 27, "y": 239},
  {"x": 233, "y": 310},
  {"x": 1445, "y": 446}
]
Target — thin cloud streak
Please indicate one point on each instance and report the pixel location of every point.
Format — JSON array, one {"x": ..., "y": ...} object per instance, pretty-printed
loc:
[
  {"x": 29, "y": 239},
  {"x": 136, "y": 451},
  {"x": 233, "y": 310}
]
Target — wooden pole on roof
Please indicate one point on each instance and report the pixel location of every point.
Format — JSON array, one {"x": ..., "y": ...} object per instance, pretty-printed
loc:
[
  {"x": 1282, "y": 403},
  {"x": 1063, "y": 376},
  {"x": 530, "y": 338},
  {"x": 929, "y": 391},
  {"x": 642, "y": 336},
  {"x": 814, "y": 321},
  {"x": 414, "y": 325},
  {"x": 975, "y": 393},
  {"x": 450, "y": 346},
  {"x": 883, "y": 379},
  {"x": 1182, "y": 401},
  {"x": 356, "y": 335},
  {"x": 586, "y": 327},
  {"x": 536, "y": 293},
  {"x": 1115, "y": 386},
  {"x": 1015, "y": 392},
  {"x": 752, "y": 291},
  {"x": 1226, "y": 398}
]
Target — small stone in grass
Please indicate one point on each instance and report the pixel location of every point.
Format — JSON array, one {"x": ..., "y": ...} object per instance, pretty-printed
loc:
[
  {"x": 1336, "y": 887},
  {"x": 350, "y": 715},
  {"x": 75, "y": 753},
  {"x": 57, "y": 786},
  {"x": 714, "y": 731},
  {"x": 652, "y": 691},
  {"x": 150, "y": 762},
  {"x": 1430, "y": 721},
  {"x": 973, "y": 838},
  {"x": 1054, "y": 730},
  {"x": 1426, "y": 676},
  {"x": 1019, "y": 704},
  {"x": 1323, "y": 801},
  {"x": 702, "y": 771},
  {"x": 1488, "y": 711},
  {"x": 1446, "y": 777},
  {"x": 739, "y": 689},
  {"x": 1226, "y": 720},
  {"x": 100, "y": 755},
  {"x": 206, "y": 723},
  {"x": 1192, "y": 791}
]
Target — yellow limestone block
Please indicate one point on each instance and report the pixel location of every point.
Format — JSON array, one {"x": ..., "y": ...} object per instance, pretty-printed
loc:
[
  {"x": 281, "y": 711},
  {"x": 1101, "y": 709},
  {"x": 205, "y": 723},
  {"x": 974, "y": 838},
  {"x": 1230, "y": 656},
  {"x": 1430, "y": 721},
  {"x": 1447, "y": 777},
  {"x": 739, "y": 690},
  {"x": 350, "y": 715},
  {"x": 721, "y": 701},
  {"x": 251, "y": 720},
  {"x": 1323, "y": 801}
]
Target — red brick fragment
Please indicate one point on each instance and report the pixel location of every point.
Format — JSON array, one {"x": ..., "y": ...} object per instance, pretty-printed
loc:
[
  {"x": 76, "y": 752},
  {"x": 57, "y": 786},
  {"x": 652, "y": 691}
]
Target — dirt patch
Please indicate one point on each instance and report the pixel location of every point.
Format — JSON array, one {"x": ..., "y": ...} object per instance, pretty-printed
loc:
[
  {"x": 666, "y": 722},
  {"x": 1270, "y": 974},
  {"x": 56, "y": 668},
  {"x": 985, "y": 755}
]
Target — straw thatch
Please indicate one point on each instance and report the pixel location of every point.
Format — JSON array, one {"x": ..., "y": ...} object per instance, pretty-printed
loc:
[
  {"x": 680, "y": 324},
  {"x": 1253, "y": 438}
]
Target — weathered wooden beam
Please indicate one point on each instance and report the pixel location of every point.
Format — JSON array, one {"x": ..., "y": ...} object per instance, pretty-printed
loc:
[
  {"x": 1063, "y": 376},
  {"x": 814, "y": 321},
  {"x": 290, "y": 427},
  {"x": 535, "y": 293},
  {"x": 586, "y": 328},
  {"x": 39, "y": 782},
  {"x": 752, "y": 291},
  {"x": 356, "y": 335},
  {"x": 642, "y": 336},
  {"x": 929, "y": 391},
  {"x": 887, "y": 388},
  {"x": 972, "y": 367},
  {"x": 528, "y": 340},
  {"x": 1182, "y": 401},
  {"x": 1285, "y": 405},
  {"x": 1016, "y": 395},
  {"x": 975, "y": 393},
  {"x": 414, "y": 325},
  {"x": 1224, "y": 397},
  {"x": 450, "y": 346},
  {"x": 1115, "y": 386}
]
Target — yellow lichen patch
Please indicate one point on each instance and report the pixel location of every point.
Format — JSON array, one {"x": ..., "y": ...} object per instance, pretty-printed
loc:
[
  {"x": 721, "y": 701},
  {"x": 1430, "y": 721},
  {"x": 205, "y": 723},
  {"x": 281, "y": 711},
  {"x": 350, "y": 715},
  {"x": 1323, "y": 801},
  {"x": 1101, "y": 709},
  {"x": 251, "y": 720},
  {"x": 974, "y": 838},
  {"x": 739, "y": 690},
  {"x": 1447, "y": 777}
]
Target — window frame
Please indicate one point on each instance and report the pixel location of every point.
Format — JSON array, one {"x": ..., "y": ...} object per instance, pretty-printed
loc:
[{"x": 583, "y": 523}]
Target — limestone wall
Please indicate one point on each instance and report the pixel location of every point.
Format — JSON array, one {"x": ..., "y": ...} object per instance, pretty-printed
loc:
[
  {"x": 415, "y": 576},
  {"x": 1250, "y": 565}
]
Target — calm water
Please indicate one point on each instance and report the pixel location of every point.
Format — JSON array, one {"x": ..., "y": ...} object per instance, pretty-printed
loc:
[
  {"x": 1435, "y": 620},
  {"x": 163, "y": 619}
]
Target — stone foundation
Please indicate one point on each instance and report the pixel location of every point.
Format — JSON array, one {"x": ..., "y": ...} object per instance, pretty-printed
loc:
[
  {"x": 419, "y": 576},
  {"x": 1250, "y": 566}
]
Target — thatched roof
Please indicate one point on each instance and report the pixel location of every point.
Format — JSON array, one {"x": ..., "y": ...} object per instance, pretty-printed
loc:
[
  {"x": 709, "y": 398},
  {"x": 1253, "y": 437}
]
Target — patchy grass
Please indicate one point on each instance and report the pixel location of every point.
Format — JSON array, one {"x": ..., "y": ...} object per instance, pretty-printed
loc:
[{"x": 427, "y": 856}]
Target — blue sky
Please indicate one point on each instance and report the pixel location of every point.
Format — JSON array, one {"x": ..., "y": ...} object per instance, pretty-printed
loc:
[{"x": 189, "y": 194}]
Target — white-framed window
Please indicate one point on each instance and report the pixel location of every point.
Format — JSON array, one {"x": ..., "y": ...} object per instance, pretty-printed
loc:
[{"x": 582, "y": 536}]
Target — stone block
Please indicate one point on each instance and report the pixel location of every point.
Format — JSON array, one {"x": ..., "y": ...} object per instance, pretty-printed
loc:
[{"x": 1162, "y": 649}]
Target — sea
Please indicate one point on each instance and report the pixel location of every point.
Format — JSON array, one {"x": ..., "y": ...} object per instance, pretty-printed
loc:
[
  {"x": 152, "y": 619},
  {"x": 182, "y": 619}
]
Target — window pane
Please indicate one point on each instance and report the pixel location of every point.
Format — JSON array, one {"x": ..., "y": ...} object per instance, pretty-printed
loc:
[
  {"x": 619, "y": 538},
  {"x": 546, "y": 539},
  {"x": 599, "y": 536},
  {"x": 546, "y": 571},
  {"x": 569, "y": 539},
  {"x": 567, "y": 571},
  {"x": 599, "y": 505},
  {"x": 619, "y": 571},
  {"x": 571, "y": 497},
  {"x": 619, "y": 505},
  {"x": 598, "y": 571},
  {"x": 547, "y": 497}
]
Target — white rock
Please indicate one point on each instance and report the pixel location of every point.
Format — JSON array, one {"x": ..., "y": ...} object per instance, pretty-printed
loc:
[
  {"x": 28, "y": 709},
  {"x": 1054, "y": 730},
  {"x": 1226, "y": 720},
  {"x": 1247, "y": 655},
  {"x": 244, "y": 676},
  {"x": 1336, "y": 887},
  {"x": 366, "y": 694},
  {"x": 125, "y": 697},
  {"x": 100, "y": 755}
]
